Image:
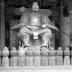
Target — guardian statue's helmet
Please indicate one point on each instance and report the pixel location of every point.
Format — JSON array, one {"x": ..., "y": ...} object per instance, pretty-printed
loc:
[{"x": 35, "y": 6}]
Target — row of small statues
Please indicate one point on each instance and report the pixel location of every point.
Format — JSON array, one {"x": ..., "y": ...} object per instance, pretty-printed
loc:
[{"x": 37, "y": 58}]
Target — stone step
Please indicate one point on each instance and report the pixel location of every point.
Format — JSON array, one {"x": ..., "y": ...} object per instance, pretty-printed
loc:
[{"x": 37, "y": 69}]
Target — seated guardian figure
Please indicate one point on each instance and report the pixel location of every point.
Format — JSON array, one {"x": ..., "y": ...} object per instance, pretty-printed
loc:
[{"x": 35, "y": 28}]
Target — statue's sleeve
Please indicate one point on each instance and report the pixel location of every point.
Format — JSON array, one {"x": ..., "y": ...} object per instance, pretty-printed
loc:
[
  {"x": 45, "y": 19},
  {"x": 24, "y": 19}
]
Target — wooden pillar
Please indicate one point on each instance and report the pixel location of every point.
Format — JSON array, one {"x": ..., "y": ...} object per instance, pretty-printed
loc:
[
  {"x": 70, "y": 16},
  {"x": 14, "y": 39},
  {"x": 2, "y": 25},
  {"x": 61, "y": 17},
  {"x": 64, "y": 30}
]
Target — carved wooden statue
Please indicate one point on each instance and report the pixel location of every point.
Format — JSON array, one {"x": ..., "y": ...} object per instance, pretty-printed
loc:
[{"x": 35, "y": 28}]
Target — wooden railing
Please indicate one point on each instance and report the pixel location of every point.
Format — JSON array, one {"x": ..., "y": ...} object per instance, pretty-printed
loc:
[{"x": 29, "y": 58}]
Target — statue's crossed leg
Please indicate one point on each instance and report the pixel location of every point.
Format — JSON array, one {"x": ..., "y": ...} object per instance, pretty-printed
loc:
[
  {"x": 25, "y": 36},
  {"x": 46, "y": 37}
]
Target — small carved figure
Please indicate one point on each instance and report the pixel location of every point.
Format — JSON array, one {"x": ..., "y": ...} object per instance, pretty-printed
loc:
[
  {"x": 67, "y": 57},
  {"x": 59, "y": 58},
  {"x": 52, "y": 57},
  {"x": 44, "y": 57},
  {"x": 37, "y": 57},
  {"x": 13, "y": 59},
  {"x": 5, "y": 59},
  {"x": 29, "y": 57},
  {"x": 21, "y": 57}
]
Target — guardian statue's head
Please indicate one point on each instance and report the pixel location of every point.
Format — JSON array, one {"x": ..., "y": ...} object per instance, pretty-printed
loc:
[{"x": 35, "y": 6}]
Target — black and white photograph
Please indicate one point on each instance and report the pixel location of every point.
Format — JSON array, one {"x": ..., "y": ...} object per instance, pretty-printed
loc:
[{"x": 35, "y": 35}]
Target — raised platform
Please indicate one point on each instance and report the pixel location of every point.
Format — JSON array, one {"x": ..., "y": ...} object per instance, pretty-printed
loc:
[{"x": 37, "y": 69}]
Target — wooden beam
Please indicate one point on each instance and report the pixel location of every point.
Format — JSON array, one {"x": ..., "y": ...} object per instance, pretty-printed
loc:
[
  {"x": 2, "y": 26},
  {"x": 45, "y": 11},
  {"x": 13, "y": 11}
]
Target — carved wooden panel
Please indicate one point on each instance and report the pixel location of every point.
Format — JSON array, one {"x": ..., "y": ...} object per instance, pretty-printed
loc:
[{"x": 14, "y": 40}]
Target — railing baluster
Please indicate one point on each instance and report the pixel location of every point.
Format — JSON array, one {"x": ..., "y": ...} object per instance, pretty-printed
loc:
[
  {"x": 67, "y": 57},
  {"x": 5, "y": 59},
  {"x": 29, "y": 58},
  {"x": 52, "y": 58},
  {"x": 44, "y": 57},
  {"x": 59, "y": 58},
  {"x": 21, "y": 57},
  {"x": 13, "y": 59},
  {"x": 37, "y": 58}
]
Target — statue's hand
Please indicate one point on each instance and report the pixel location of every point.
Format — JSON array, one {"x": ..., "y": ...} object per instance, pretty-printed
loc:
[
  {"x": 29, "y": 27},
  {"x": 44, "y": 26}
]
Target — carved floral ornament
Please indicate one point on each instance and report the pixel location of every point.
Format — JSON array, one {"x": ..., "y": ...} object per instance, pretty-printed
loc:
[{"x": 28, "y": 3}]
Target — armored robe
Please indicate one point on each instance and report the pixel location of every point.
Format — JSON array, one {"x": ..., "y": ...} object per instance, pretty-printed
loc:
[{"x": 33, "y": 27}]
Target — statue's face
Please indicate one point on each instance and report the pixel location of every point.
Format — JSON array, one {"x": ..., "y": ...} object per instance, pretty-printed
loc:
[{"x": 35, "y": 6}]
